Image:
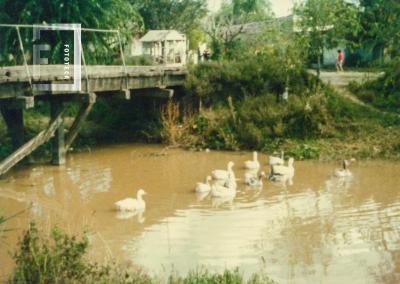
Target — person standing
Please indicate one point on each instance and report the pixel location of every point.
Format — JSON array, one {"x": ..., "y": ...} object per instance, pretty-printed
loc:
[
  {"x": 206, "y": 54},
  {"x": 339, "y": 64}
]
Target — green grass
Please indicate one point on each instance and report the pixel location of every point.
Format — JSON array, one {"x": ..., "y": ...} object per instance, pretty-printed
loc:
[
  {"x": 382, "y": 93},
  {"x": 60, "y": 258}
]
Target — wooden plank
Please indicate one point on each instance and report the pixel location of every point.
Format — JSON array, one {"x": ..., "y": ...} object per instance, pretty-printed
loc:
[
  {"x": 78, "y": 122},
  {"x": 156, "y": 93},
  {"x": 57, "y": 143},
  {"x": 31, "y": 145}
]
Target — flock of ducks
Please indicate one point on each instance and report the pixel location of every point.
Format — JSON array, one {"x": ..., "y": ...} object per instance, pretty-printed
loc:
[{"x": 223, "y": 183}]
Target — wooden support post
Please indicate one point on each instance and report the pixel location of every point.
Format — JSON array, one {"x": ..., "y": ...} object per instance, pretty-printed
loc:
[
  {"x": 31, "y": 145},
  {"x": 57, "y": 143},
  {"x": 79, "y": 120},
  {"x": 14, "y": 119},
  {"x": 127, "y": 94},
  {"x": 122, "y": 94}
]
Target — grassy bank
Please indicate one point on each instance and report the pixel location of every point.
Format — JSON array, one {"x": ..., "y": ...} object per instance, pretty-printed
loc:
[
  {"x": 383, "y": 93},
  {"x": 60, "y": 258},
  {"x": 242, "y": 109}
]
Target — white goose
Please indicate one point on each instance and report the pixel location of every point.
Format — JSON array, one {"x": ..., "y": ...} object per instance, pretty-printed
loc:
[
  {"x": 254, "y": 164},
  {"x": 344, "y": 172},
  {"x": 202, "y": 187},
  {"x": 279, "y": 171},
  {"x": 253, "y": 180},
  {"x": 132, "y": 204},
  {"x": 273, "y": 160},
  {"x": 226, "y": 190},
  {"x": 221, "y": 176}
]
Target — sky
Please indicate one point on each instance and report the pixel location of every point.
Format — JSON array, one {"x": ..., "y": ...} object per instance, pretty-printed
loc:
[{"x": 280, "y": 7}]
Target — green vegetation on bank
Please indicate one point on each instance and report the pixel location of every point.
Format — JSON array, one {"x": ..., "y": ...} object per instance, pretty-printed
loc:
[
  {"x": 60, "y": 258},
  {"x": 315, "y": 121},
  {"x": 383, "y": 93}
]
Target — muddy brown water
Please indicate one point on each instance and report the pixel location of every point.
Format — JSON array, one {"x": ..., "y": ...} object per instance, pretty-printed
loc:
[{"x": 318, "y": 230}]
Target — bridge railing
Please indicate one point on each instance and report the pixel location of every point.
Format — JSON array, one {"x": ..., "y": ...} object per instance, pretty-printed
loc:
[{"x": 58, "y": 27}]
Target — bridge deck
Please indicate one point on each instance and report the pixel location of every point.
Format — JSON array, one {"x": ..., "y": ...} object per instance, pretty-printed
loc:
[{"x": 14, "y": 81}]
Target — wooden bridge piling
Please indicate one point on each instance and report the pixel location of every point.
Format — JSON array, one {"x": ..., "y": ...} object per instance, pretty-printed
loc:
[
  {"x": 14, "y": 119},
  {"x": 58, "y": 141}
]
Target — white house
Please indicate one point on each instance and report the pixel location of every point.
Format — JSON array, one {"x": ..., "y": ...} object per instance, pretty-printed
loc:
[
  {"x": 135, "y": 47},
  {"x": 166, "y": 46}
]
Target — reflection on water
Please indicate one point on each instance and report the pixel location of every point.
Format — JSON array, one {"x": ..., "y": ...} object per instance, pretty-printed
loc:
[{"x": 314, "y": 229}]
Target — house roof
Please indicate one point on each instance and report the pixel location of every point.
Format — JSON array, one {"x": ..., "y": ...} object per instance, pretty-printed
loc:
[{"x": 161, "y": 35}]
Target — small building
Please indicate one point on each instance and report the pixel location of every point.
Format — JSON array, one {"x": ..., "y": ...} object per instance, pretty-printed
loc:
[{"x": 165, "y": 46}]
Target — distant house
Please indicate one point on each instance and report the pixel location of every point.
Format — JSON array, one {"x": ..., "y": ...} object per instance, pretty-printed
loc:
[
  {"x": 135, "y": 47},
  {"x": 165, "y": 46}
]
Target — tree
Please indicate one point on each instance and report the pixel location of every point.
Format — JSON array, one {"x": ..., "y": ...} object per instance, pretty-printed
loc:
[
  {"x": 325, "y": 24},
  {"x": 182, "y": 15},
  {"x": 227, "y": 25},
  {"x": 380, "y": 22},
  {"x": 104, "y": 14},
  {"x": 244, "y": 11}
]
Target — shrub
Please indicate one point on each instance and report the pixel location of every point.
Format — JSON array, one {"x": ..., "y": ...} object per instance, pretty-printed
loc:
[
  {"x": 301, "y": 151},
  {"x": 262, "y": 118},
  {"x": 48, "y": 261},
  {"x": 251, "y": 76},
  {"x": 176, "y": 129},
  {"x": 215, "y": 129},
  {"x": 384, "y": 92},
  {"x": 203, "y": 276},
  {"x": 60, "y": 258},
  {"x": 141, "y": 60}
]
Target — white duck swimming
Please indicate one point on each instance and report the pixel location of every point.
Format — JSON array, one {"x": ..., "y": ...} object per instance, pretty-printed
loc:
[
  {"x": 279, "y": 171},
  {"x": 254, "y": 180},
  {"x": 202, "y": 187},
  {"x": 344, "y": 172},
  {"x": 273, "y": 160},
  {"x": 223, "y": 191},
  {"x": 132, "y": 204},
  {"x": 228, "y": 189},
  {"x": 221, "y": 176},
  {"x": 254, "y": 164}
]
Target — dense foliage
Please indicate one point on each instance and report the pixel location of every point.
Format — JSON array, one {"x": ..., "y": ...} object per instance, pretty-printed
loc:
[
  {"x": 105, "y": 14},
  {"x": 184, "y": 15},
  {"x": 252, "y": 75},
  {"x": 224, "y": 28},
  {"x": 380, "y": 24},
  {"x": 325, "y": 24},
  {"x": 247, "y": 95},
  {"x": 243, "y": 108}
]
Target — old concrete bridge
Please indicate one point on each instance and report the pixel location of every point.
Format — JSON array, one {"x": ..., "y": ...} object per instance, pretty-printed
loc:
[{"x": 18, "y": 92}]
